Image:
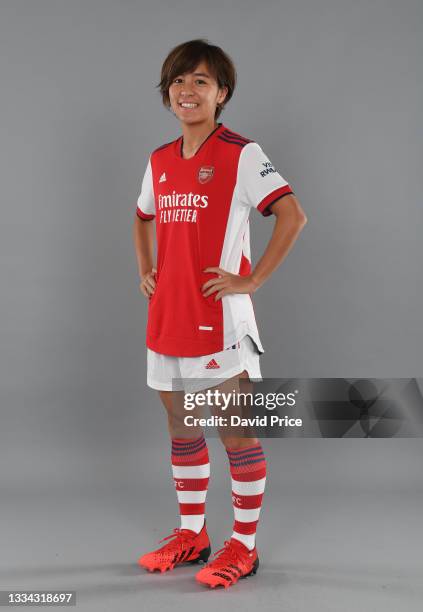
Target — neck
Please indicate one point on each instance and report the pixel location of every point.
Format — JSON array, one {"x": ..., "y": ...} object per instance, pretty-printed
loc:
[{"x": 195, "y": 134}]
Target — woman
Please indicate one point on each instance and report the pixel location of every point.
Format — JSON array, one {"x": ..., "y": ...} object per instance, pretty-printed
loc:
[{"x": 199, "y": 189}]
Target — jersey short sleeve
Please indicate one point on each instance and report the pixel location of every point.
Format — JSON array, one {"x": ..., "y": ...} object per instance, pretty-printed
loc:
[
  {"x": 145, "y": 205},
  {"x": 259, "y": 184}
]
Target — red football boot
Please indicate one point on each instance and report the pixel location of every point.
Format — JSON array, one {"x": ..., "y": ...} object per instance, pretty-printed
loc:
[
  {"x": 186, "y": 547},
  {"x": 234, "y": 562}
]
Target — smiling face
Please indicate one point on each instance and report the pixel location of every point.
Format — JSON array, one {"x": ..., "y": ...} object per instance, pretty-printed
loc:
[{"x": 193, "y": 96}]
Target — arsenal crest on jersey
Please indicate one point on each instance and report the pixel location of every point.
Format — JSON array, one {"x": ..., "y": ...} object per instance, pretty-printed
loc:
[{"x": 205, "y": 174}]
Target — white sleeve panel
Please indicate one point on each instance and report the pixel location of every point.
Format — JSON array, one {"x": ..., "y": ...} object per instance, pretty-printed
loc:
[
  {"x": 259, "y": 185},
  {"x": 145, "y": 205}
]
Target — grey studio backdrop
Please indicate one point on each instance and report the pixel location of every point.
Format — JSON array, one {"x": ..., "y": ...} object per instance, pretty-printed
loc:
[{"x": 332, "y": 90}]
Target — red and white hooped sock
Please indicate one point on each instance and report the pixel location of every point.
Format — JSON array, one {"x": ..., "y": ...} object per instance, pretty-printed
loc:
[
  {"x": 248, "y": 472},
  {"x": 191, "y": 472}
]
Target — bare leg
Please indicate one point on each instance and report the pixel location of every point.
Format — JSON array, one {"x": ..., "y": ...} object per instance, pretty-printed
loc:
[
  {"x": 173, "y": 402},
  {"x": 246, "y": 436}
]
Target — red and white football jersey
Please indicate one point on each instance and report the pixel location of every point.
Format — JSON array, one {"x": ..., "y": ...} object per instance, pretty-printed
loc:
[{"x": 201, "y": 207}]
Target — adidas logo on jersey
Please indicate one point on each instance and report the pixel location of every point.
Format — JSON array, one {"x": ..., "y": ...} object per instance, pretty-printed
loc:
[
  {"x": 212, "y": 365},
  {"x": 162, "y": 178}
]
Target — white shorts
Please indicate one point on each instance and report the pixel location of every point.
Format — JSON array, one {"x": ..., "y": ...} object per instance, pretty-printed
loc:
[{"x": 168, "y": 373}]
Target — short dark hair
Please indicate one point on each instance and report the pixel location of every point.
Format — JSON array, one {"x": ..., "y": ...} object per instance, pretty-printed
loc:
[{"x": 186, "y": 57}]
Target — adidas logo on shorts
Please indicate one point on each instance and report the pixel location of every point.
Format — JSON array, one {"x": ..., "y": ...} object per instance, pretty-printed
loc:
[{"x": 212, "y": 365}]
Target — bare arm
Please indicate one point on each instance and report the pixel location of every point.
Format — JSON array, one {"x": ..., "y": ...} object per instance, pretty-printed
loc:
[
  {"x": 143, "y": 234},
  {"x": 290, "y": 220}
]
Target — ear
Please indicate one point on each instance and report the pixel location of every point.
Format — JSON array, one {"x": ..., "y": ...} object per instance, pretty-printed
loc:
[{"x": 222, "y": 94}]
